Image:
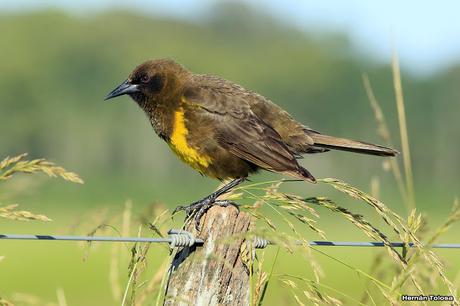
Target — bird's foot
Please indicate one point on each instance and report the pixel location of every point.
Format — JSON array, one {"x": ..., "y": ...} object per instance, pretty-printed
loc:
[{"x": 199, "y": 208}]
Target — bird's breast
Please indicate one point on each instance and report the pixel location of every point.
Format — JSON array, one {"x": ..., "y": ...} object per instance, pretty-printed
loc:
[{"x": 179, "y": 144}]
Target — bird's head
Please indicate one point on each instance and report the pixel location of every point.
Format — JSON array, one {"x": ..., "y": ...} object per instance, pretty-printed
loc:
[{"x": 152, "y": 81}]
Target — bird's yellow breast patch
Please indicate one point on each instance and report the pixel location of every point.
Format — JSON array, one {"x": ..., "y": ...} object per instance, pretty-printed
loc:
[{"x": 179, "y": 144}]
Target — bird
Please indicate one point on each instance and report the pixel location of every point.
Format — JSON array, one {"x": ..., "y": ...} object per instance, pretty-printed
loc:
[{"x": 225, "y": 131}]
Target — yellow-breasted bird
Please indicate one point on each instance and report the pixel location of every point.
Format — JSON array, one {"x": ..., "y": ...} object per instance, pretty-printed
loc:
[{"x": 223, "y": 130}]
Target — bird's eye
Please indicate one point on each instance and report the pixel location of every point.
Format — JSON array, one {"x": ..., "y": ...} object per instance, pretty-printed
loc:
[{"x": 145, "y": 78}]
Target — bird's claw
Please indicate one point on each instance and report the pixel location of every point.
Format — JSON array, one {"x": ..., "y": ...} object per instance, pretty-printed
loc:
[
  {"x": 179, "y": 208},
  {"x": 199, "y": 208},
  {"x": 204, "y": 208}
]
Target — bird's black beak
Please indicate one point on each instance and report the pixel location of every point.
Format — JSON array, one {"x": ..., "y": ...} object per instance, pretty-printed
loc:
[{"x": 122, "y": 89}]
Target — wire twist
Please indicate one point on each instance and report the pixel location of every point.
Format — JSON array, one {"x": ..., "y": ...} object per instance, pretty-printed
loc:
[
  {"x": 181, "y": 238},
  {"x": 260, "y": 243}
]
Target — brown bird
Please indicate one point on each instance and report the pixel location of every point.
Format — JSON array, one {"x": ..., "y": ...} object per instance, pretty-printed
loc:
[{"x": 223, "y": 130}]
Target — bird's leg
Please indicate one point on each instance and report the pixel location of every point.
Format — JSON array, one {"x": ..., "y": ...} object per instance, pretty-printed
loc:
[{"x": 200, "y": 207}]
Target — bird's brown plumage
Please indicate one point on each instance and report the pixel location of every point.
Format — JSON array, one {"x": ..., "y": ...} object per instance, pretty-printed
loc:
[{"x": 223, "y": 130}]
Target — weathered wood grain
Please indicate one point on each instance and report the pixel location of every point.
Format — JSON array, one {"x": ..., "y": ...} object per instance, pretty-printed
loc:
[{"x": 213, "y": 274}]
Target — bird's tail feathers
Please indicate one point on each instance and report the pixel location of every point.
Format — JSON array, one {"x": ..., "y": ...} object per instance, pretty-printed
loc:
[{"x": 336, "y": 143}]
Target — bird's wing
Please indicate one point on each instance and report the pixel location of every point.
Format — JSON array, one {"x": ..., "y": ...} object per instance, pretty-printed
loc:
[
  {"x": 243, "y": 133},
  {"x": 293, "y": 133}
]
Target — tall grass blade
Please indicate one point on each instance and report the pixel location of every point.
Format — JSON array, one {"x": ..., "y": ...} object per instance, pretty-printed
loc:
[{"x": 403, "y": 129}]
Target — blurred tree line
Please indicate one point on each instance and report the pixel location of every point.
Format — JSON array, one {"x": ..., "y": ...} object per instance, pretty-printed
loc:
[{"x": 56, "y": 69}]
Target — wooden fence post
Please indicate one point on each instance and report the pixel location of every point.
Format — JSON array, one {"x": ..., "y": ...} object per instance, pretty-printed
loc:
[{"x": 213, "y": 274}]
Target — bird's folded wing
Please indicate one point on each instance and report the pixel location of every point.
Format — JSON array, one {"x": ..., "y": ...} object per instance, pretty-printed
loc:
[
  {"x": 242, "y": 133},
  {"x": 254, "y": 141}
]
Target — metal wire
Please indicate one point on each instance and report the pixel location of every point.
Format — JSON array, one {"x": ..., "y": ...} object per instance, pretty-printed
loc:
[
  {"x": 181, "y": 238},
  {"x": 380, "y": 244},
  {"x": 176, "y": 238},
  {"x": 260, "y": 243}
]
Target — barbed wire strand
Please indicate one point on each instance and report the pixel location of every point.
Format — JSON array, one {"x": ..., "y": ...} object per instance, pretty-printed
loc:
[
  {"x": 182, "y": 238},
  {"x": 176, "y": 238}
]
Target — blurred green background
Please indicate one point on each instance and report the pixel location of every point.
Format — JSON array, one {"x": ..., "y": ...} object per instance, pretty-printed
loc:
[{"x": 57, "y": 65}]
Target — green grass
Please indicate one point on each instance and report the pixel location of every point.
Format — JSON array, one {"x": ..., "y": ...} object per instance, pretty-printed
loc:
[
  {"x": 103, "y": 273},
  {"x": 40, "y": 267}
]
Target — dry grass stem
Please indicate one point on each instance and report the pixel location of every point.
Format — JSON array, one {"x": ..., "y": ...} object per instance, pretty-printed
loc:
[
  {"x": 10, "y": 166},
  {"x": 9, "y": 212},
  {"x": 403, "y": 129},
  {"x": 385, "y": 134}
]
